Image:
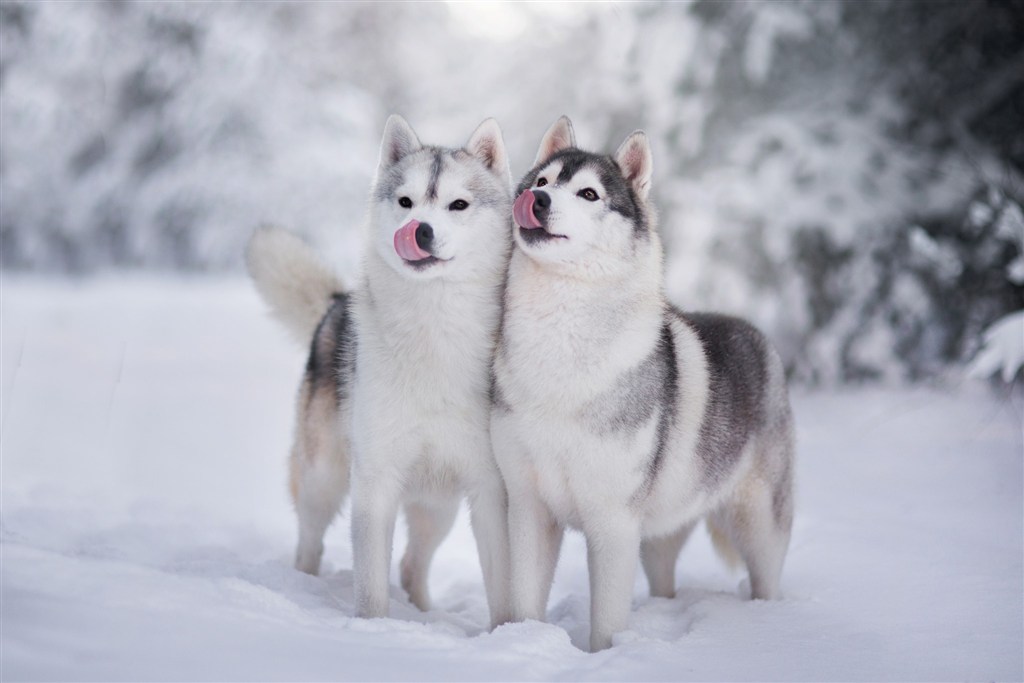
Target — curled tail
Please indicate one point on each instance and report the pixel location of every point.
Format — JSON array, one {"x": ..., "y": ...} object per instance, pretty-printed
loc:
[{"x": 292, "y": 279}]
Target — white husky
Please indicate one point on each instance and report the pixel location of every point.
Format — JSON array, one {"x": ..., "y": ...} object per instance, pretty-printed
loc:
[
  {"x": 614, "y": 413},
  {"x": 398, "y": 374}
]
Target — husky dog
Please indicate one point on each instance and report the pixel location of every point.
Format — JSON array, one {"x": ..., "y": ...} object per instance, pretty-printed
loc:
[
  {"x": 613, "y": 412},
  {"x": 398, "y": 374}
]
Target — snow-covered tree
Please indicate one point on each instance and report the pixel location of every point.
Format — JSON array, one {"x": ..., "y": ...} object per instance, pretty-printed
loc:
[
  {"x": 820, "y": 164},
  {"x": 840, "y": 172}
]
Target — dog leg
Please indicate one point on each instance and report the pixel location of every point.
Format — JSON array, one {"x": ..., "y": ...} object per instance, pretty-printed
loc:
[
  {"x": 613, "y": 549},
  {"x": 535, "y": 539},
  {"x": 552, "y": 545},
  {"x": 319, "y": 468},
  {"x": 759, "y": 538},
  {"x": 428, "y": 524},
  {"x": 659, "y": 556},
  {"x": 319, "y": 494},
  {"x": 374, "y": 508},
  {"x": 488, "y": 507}
]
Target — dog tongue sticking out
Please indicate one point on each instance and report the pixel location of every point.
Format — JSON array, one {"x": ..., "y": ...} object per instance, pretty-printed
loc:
[
  {"x": 405, "y": 242},
  {"x": 522, "y": 211}
]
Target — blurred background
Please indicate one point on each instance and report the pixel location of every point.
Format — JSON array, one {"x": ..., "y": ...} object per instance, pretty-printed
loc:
[{"x": 846, "y": 174}]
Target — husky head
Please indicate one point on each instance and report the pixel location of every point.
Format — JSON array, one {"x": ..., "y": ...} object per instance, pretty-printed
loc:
[
  {"x": 441, "y": 213},
  {"x": 582, "y": 212}
]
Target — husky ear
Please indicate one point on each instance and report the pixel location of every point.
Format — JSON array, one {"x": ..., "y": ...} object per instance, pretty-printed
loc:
[
  {"x": 559, "y": 136},
  {"x": 634, "y": 158},
  {"x": 487, "y": 145},
  {"x": 399, "y": 141}
]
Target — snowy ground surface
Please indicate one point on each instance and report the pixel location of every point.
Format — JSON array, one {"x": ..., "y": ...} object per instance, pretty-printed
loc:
[{"x": 146, "y": 532}]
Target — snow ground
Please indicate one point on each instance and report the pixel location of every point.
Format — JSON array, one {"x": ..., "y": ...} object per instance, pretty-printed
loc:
[{"x": 146, "y": 532}]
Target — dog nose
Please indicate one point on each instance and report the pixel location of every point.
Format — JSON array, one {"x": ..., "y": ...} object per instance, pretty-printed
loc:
[
  {"x": 424, "y": 236},
  {"x": 541, "y": 204}
]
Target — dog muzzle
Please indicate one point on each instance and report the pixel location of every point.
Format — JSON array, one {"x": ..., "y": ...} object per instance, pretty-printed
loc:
[
  {"x": 405, "y": 242},
  {"x": 522, "y": 211}
]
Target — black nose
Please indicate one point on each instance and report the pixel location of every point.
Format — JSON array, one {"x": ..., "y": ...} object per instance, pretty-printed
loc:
[
  {"x": 541, "y": 204},
  {"x": 424, "y": 236}
]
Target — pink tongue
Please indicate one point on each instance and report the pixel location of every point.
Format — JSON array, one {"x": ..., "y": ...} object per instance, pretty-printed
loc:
[
  {"x": 522, "y": 211},
  {"x": 405, "y": 242}
]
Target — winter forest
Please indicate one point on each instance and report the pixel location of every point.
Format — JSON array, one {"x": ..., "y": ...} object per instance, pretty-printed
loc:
[{"x": 848, "y": 175}]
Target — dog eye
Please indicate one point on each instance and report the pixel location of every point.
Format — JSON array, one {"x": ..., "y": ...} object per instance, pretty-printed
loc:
[
  {"x": 588, "y": 194},
  {"x": 541, "y": 182},
  {"x": 405, "y": 202},
  {"x": 458, "y": 205}
]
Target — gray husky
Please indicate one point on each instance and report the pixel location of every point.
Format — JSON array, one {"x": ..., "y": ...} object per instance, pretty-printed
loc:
[
  {"x": 395, "y": 393},
  {"x": 613, "y": 412}
]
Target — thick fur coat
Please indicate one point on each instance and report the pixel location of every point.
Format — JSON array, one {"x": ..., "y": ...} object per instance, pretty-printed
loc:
[
  {"x": 617, "y": 414},
  {"x": 394, "y": 403}
]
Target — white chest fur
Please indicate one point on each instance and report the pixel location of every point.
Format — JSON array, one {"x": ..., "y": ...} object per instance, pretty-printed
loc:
[
  {"x": 563, "y": 343},
  {"x": 420, "y": 397},
  {"x": 564, "y": 347}
]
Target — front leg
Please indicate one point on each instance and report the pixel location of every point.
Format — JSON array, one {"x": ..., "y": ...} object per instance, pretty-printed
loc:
[
  {"x": 488, "y": 515},
  {"x": 374, "y": 508},
  {"x": 534, "y": 535},
  {"x": 535, "y": 538},
  {"x": 613, "y": 548},
  {"x": 429, "y": 523}
]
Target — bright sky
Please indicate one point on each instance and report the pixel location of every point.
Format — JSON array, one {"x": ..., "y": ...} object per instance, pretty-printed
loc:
[{"x": 505, "y": 19}]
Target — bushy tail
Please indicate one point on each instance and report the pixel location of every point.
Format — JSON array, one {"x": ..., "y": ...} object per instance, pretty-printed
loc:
[
  {"x": 723, "y": 546},
  {"x": 292, "y": 279}
]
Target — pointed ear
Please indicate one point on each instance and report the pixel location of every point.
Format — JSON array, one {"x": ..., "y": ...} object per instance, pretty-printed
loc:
[
  {"x": 487, "y": 145},
  {"x": 559, "y": 136},
  {"x": 399, "y": 141},
  {"x": 634, "y": 158}
]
